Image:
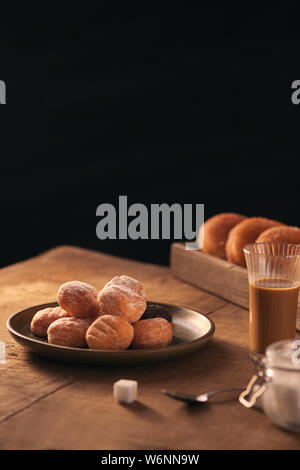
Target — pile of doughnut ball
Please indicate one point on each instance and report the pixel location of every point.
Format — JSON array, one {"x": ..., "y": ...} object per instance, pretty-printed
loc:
[
  {"x": 226, "y": 234},
  {"x": 115, "y": 318}
]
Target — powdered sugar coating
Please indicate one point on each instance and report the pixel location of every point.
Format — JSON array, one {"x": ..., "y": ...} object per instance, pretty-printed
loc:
[
  {"x": 43, "y": 319},
  {"x": 109, "y": 333},
  {"x": 79, "y": 299},
  {"x": 152, "y": 333},
  {"x": 122, "y": 302},
  {"x": 129, "y": 282},
  {"x": 68, "y": 332}
]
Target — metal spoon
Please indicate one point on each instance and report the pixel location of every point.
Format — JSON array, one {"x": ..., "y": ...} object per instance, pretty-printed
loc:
[{"x": 203, "y": 398}]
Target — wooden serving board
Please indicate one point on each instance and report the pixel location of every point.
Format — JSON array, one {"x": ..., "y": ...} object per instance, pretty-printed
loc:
[{"x": 213, "y": 274}]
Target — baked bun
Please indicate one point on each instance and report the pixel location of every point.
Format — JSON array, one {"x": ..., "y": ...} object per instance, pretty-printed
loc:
[
  {"x": 122, "y": 302},
  {"x": 129, "y": 282},
  {"x": 280, "y": 235},
  {"x": 79, "y": 299},
  {"x": 109, "y": 332},
  {"x": 216, "y": 231},
  {"x": 43, "y": 319},
  {"x": 243, "y": 233},
  {"x": 68, "y": 332},
  {"x": 152, "y": 333}
]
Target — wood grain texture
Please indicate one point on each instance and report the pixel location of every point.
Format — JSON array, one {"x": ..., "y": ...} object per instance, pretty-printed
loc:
[
  {"x": 48, "y": 405},
  {"x": 23, "y": 380},
  {"x": 213, "y": 274}
]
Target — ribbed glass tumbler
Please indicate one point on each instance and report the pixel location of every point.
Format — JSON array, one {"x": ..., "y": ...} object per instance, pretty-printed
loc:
[{"x": 274, "y": 278}]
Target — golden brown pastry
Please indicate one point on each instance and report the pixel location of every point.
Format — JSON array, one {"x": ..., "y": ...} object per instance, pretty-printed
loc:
[
  {"x": 79, "y": 299},
  {"x": 129, "y": 282},
  {"x": 216, "y": 231},
  {"x": 68, "y": 332},
  {"x": 243, "y": 233},
  {"x": 152, "y": 333},
  {"x": 43, "y": 319},
  {"x": 122, "y": 302},
  {"x": 280, "y": 235},
  {"x": 109, "y": 332}
]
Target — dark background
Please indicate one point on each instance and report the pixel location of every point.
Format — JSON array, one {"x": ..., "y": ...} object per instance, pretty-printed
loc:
[{"x": 189, "y": 105}]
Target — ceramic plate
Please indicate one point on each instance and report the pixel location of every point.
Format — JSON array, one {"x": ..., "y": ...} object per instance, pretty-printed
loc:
[{"x": 192, "y": 331}]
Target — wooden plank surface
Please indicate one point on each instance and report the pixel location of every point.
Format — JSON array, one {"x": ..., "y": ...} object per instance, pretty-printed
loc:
[
  {"x": 52, "y": 405},
  {"x": 210, "y": 273},
  {"x": 213, "y": 274}
]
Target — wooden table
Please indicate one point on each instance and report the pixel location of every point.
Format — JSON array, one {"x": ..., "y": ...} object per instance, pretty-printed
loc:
[{"x": 50, "y": 405}]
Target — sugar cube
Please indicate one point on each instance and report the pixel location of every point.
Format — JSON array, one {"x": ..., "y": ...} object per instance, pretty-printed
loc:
[{"x": 125, "y": 391}]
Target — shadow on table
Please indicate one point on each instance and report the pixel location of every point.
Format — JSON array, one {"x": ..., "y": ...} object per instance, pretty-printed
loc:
[
  {"x": 59, "y": 368},
  {"x": 216, "y": 355},
  {"x": 140, "y": 409}
]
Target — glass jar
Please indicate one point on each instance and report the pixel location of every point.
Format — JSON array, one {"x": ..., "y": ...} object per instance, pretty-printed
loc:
[{"x": 277, "y": 384}]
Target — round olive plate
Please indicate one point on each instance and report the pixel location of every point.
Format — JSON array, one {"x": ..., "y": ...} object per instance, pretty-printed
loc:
[{"x": 192, "y": 330}]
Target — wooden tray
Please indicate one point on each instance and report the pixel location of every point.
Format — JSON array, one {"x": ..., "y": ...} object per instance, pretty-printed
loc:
[{"x": 213, "y": 274}]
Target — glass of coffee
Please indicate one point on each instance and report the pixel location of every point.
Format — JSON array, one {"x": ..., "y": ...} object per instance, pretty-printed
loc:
[{"x": 274, "y": 279}]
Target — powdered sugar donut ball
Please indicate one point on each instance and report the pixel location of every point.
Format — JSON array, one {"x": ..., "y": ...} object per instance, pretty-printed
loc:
[
  {"x": 129, "y": 282},
  {"x": 152, "y": 333},
  {"x": 122, "y": 302},
  {"x": 78, "y": 299},
  {"x": 109, "y": 332},
  {"x": 43, "y": 319},
  {"x": 68, "y": 332}
]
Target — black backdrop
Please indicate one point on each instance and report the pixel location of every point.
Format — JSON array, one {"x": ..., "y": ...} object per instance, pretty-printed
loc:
[{"x": 189, "y": 105}]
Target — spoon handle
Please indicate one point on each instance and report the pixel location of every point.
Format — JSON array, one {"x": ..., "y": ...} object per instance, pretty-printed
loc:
[
  {"x": 181, "y": 396},
  {"x": 202, "y": 398}
]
